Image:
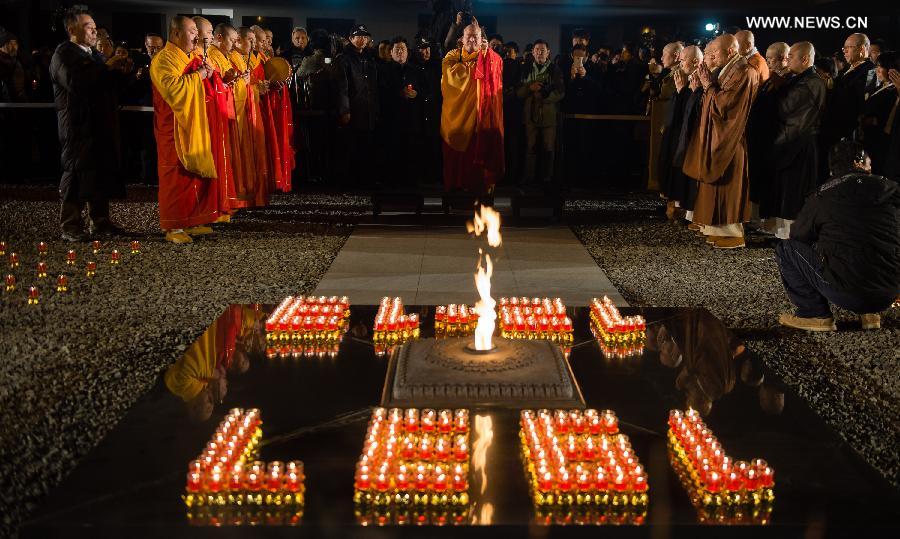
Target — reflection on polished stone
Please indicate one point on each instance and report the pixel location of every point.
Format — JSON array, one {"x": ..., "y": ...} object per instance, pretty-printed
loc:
[{"x": 318, "y": 410}]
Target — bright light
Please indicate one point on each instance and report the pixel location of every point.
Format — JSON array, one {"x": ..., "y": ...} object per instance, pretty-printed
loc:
[{"x": 710, "y": 27}]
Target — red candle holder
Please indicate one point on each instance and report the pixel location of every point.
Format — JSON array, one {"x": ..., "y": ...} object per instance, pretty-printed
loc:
[
  {"x": 95, "y": 246},
  {"x": 41, "y": 270},
  {"x": 62, "y": 284},
  {"x": 114, "y": 257},
  {"x": 135, "y": 247},
  {"x": 2, "y": 248},
  {"x": 71, "y": 258},
  {"x": 10, "y": 282},
  {"x": 42, "y": 249},
  {"x": 34, "y": 295},
  {"x": 13, "y": 260},
  {"x": 91, "y": 269}
]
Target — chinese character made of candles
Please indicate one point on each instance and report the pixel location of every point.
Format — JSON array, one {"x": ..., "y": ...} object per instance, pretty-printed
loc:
[
  {"x": 535, "y": 318},
  {"x": 577, "y": 458},
  {"x": 393, "y": 326},
  {"x": 226, "y": 474},
  {"x": 722, "y": 490},
  {"x": 414, "y": 460},
  {"x": 308, "y": 321},
  {"x": 618, "y": 336}
]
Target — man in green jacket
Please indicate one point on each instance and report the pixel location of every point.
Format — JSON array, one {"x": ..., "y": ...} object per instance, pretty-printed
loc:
[{"x": 541, "y": 90}]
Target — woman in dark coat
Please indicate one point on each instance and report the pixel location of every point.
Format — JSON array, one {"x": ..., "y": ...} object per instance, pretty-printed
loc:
[{"x": 85, "y": 90}]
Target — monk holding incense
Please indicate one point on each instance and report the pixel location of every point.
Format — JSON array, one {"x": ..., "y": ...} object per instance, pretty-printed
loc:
[
  {"x": 472, "y": 115},
  {"x": 249, "y": 116},
  {"x": 188, "y": 188}
]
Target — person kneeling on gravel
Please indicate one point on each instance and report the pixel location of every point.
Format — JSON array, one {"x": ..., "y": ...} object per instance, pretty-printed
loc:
[{"x": 844, "y": 247}]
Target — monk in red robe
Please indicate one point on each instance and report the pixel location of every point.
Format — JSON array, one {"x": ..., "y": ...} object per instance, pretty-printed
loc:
[
  {"x": 219, "y": 108},
  {"x": 275, "y": 105},
  {"x": 472, "y": 115},
  {"x": 188, "y": 186}
]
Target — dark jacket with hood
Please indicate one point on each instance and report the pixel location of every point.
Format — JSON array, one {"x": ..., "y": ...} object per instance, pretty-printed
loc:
[{"x": 853, "y": 223}]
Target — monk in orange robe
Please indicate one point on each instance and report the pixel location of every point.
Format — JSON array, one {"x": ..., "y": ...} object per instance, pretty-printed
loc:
[
  {"x": 472, "y": 115},
  {"x": 247, "y": 98},
  {"x": 236, "y": 193},
  {"x": 219, "y": 107},
  {"x": 188, "y": 189},
  {"x": 716, "y": 156}
]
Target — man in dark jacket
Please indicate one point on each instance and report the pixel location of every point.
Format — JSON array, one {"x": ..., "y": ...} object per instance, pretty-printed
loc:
[
  {"x": 798, "y": 111},
  {"x": 403, "y": 88},
  {"x": 541, "y": 88},
  {"x": 844, "y": 246},
  {"x": 356, "y": 81},
  {"x": 88, "y": 131}
]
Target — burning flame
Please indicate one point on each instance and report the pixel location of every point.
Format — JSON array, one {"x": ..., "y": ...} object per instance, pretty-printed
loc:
[
  {"x": 485, "y": 220},
  {"x": 484, "y": 432}
]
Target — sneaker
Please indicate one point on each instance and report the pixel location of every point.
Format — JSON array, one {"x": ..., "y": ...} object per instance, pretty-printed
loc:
[
  {"x": 733, "y": 242},
  {"x": 199, "y": 231},
  {"x": 808, "y": 324},
  {"x": 870, "y": 321},
  {"x": 178, "y": 237}
]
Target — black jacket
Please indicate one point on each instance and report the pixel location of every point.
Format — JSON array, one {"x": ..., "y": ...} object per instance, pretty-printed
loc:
[
  {"x": 853, "y": 223},
  {"x": 399, "y": 113},
  {"x": 356, "y": 79},
  {"x": 87, "y": 109},
  {"x": 846, "y": 102},
  {"x": 875, "y": 113}
]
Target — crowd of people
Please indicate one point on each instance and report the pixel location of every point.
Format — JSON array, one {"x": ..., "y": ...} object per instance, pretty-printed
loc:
[{"x": 737, "y": 138}]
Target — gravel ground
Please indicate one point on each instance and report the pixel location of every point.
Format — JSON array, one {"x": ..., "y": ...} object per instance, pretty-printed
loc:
[
  {"x": 61, "y": 387},
  {"x": 849, "y": 377}
]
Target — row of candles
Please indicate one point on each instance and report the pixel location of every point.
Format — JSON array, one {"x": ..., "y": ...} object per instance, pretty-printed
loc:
[
  {"x": 449, "y": 515},
  {"x": 222, "y": 474},
  {"x": 708, "y": 473},
  {"x": 537, "y": 319},
  {"x": 590, "y": 515},
  {"x": 244, "y": 515},
  {"x": 42, "y": 270},
  {"x": 617, "y": 350},
  {"x": 611, "y": 326},
  {"x": 392, "y": 325},
  {"x": 308, "y": 319},
  {"x": 319, "y": 350},
  {"x": 575, "y": 457},
  {"x": 455, "y": 320},
  {"x": 423, "y": 455}
]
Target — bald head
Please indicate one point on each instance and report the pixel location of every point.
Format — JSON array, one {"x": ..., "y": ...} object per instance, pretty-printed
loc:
[
  {"x": 690, "y": 59},
  {"x": 204, "y": 31},
  {"x": 777, "y": 57},
  {"x": 728, "y": 44},
  {"x": 856, "y": 48},
  {"x": 801, "y": 57},
  {"x": 745, "y": 41},
  {"x": 183, "y": 33},
  {"x": 472, "y": 37},
  {"x": 671, "y": 54}
]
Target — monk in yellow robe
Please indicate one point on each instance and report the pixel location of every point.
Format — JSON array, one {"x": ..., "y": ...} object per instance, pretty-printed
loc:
[
  {"x": 188, "y": 190},
  {"x": 472, "y": 115},
  {"x": 249, "y": 117},
  {"x": 237, "y": 193}
]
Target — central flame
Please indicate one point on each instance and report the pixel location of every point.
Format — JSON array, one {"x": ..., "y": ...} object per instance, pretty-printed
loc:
[
  {"x": 484, "y": 437},
  {"x": 485, "y": 220}
]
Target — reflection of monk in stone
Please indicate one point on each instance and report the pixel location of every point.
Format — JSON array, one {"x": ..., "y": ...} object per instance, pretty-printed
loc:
[
  {"x": 710, "y": 359},
  {"x": 199, "y": 378}
]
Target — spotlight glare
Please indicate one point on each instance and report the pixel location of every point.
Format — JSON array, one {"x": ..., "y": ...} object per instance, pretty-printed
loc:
[{"x": 710, "y": 27}]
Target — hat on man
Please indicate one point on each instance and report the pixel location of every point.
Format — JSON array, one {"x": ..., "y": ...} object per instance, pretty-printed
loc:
[
  {"x": 360, "y": 30},
  {"x": 6, "y": 36},
  {"x": 422, "y": 43}
]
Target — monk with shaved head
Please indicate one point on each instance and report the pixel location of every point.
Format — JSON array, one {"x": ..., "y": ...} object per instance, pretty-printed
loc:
[
  {"x": 681, "y": 120},
  {"x": 845, "y": 104},
  {"x": 717, "y": 153},
  {"x": 747, "y": 49},
  {"x": 658, "y": 113}
]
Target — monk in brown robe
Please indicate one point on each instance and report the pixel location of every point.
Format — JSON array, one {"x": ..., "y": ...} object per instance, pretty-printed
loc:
[
  {"x": 747, "y": 48},
  {"x": 717, "y": 153}
]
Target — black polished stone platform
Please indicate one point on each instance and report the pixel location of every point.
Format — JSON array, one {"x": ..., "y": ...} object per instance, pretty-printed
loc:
[
  {"x": 445, "y": 373},
  {"x": 315, "y": 409}
]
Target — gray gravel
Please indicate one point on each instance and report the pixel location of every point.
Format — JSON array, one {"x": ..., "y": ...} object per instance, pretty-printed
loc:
[
  {"x": 850, "y": 377},
  {"x": 74, "y": 364}
]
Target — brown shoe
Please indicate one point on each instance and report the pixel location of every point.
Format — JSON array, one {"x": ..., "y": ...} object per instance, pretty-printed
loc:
[
  {"x": 694, "y": 226},
  {"x": 808, "y": 324},
  {"x": 733, "y": 242},
  {"x": 870, "y": 321},
  {"x": 670, "y": 210}
]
